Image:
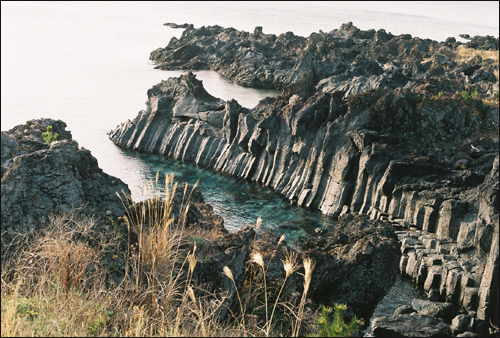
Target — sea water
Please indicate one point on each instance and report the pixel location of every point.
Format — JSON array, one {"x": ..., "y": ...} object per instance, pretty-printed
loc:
[{"x": 87, "y": 63}]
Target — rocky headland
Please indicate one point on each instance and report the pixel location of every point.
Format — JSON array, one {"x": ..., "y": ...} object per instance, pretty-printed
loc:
[
  {"x": 40, "y": 180},
  {"x": 401, "y": 129},
  {"x": 395, "y": 136}
]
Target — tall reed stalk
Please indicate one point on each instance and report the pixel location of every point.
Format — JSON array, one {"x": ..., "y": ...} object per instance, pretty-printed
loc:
[{"x": 65, "y": 287}]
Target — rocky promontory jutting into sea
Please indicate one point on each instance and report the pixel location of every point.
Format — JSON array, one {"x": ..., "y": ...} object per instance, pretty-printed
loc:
[{"x": 402, "y": 129}]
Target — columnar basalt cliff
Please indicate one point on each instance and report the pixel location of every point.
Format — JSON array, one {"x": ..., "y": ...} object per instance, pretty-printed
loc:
[
  {"x": 397, "y": 128},
  {"x": 40, "y": 181}
]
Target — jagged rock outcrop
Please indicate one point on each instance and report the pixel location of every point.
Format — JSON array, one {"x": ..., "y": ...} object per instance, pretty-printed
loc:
[
  {"x": 410, "y": 325},
  {"x": 400, "y": 132},
  {"x": 355, "y": 265},
  {"x": 346, "y": 59},
  {"x": 459, "y": 264},
  {"x": 369, "y": 155},
  {"x": 39, "y": 179}
]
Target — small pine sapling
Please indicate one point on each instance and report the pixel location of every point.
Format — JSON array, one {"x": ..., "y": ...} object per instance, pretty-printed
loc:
[{"x": 48, "y": 136}]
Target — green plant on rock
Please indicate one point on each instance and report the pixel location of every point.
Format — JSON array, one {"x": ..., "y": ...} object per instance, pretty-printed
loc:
[
  {"x": 482, "y": 106},
  {"x": 197, "y": 240},
  {"x": 48, "y": 136},
  {"x": 486, "y": 46},
  {"x": 467, "y": 97},
  {"x": 337, "y": 327},
  {"x": 475, "y": 94}
]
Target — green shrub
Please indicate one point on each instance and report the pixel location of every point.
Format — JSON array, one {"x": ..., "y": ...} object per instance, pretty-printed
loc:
[
  {"x": 467, "y": 97},
  {"x": 337, "y": 327},
  {"x": 48, "y": 136},
  {"x": 486, "y": 46},
  {"x": 482, "y": 106}
]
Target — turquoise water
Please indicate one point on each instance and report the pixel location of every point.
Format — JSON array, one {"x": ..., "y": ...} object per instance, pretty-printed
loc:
[
  {"x": 87, "y": 63},
  {"x": 238, "y": 201}
]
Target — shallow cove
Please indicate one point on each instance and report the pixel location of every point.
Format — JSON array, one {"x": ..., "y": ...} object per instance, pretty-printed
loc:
[{"x": 238, "y": 201}]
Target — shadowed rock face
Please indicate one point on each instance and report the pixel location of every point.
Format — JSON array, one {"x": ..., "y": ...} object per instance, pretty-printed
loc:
[
  {"x": 39, "y": 179},
  {"x": 355, "y": 265},
  {"x": 389, "y": 135}
]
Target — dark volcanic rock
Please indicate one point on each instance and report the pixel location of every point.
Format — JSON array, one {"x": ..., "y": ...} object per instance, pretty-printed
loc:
[
  {"x": 39, "y": 179},
  {"x": 403, "y": 310},
  {"x": 234, "y": 251},
  {"x": 410, "y": 325},
  {"x": 346, "y": 59},
  {"x": 361, "y": 156},
  {"x": 175, "y": 25},
  {"x": 398, "y": 128},
  {"x": 356, "y": 265},
  {"x": 356, "y": 270},
  {"x": 446, "y": 311}
]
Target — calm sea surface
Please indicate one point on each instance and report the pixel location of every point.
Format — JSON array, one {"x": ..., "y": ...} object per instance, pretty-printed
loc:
[{"x": 86, "y": 63}]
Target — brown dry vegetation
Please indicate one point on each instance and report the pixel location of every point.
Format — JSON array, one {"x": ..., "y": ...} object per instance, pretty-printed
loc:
[
  {"x": 464, "y": 53},
  {"x": 60, "y": 282}
]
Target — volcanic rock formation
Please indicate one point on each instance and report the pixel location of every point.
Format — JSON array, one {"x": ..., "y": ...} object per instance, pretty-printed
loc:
[{"x": 394, "y": 127}]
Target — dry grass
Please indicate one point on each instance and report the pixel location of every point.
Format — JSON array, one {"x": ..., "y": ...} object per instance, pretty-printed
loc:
[
  {"x": 465, "y": 53},
  {"x": 60, "y": 283}
]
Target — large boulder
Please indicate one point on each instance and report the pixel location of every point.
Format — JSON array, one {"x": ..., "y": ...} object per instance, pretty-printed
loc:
[
  {"x": 356, "y": 265},
  {"x": 410, "y": 325},
  {"x": 40, "y": 179}
]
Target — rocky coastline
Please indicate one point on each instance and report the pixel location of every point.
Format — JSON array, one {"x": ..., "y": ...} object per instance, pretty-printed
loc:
[
  {"x": 395, "y": 136},
  {"x": 40, "y": 180},
  {"x": 401, "y": 129}
]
